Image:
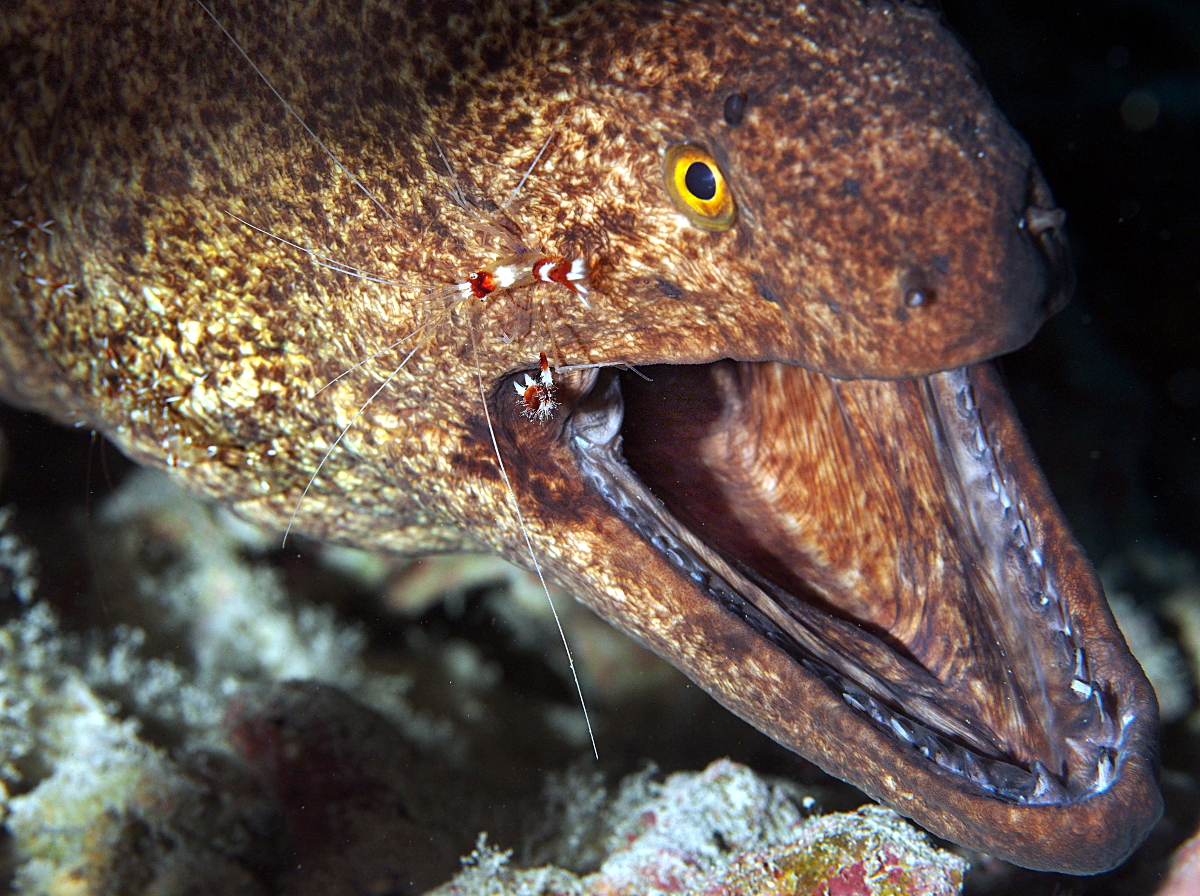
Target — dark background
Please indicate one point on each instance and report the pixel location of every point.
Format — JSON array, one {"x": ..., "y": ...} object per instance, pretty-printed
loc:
[{"x": 1108, "y": 94}]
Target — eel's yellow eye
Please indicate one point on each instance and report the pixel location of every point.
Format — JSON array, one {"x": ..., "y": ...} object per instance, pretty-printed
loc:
[{"x": 698, "y": 188}]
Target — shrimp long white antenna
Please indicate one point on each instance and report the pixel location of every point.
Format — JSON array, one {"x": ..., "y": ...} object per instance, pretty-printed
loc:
[
  {"x": 628, "y": 367},
  {"x": 454, "y": 291},
  {"x": 456, "y": 191},
  {"x": 296, "y": 115},
  {"x": 516, "y": 506},
  {"x": 382, "y": 351},
  {"x": 324, "y": 261},
  {"x": 342, "y": 434},
  {"x": 453, "y": 295},
  {"x": 528, "y": 171}
]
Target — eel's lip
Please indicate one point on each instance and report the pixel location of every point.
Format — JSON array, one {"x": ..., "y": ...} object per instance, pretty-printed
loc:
[{"x": 1005, "y": 714}]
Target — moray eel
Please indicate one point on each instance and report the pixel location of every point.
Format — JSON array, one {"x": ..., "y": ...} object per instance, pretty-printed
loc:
[{"x": 805, "y": 224}]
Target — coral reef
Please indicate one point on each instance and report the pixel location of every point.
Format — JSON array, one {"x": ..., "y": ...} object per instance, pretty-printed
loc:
[
  {"x": 91, "y": 807},
  {"x": 168, "y": 752},
  {"x": 198, "y": 727},
  {"x": 727, "y": 832}
]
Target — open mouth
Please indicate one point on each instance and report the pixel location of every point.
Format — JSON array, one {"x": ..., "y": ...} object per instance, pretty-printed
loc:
[
  {"x": 875, "y": 530},
  {"x": 895, "y": 540}
]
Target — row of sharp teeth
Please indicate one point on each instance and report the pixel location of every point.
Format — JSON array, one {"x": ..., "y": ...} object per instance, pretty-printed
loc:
[
  {"x": 1043, "y": 596},
  {"x": 998, "y": 778},
  {"x": 1102, "y": 738}
]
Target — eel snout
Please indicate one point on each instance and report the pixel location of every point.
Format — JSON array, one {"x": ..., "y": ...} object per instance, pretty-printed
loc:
[
  {"x": 959, "y": 261},
  {"x": 874, "y": 573}
]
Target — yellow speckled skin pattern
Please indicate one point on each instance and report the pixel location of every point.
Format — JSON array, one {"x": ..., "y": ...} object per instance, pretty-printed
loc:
[{"x": 890, "y": 226}]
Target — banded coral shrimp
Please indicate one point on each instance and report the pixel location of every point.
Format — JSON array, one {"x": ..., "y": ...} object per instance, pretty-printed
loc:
[{"x": 516, "y": 267}]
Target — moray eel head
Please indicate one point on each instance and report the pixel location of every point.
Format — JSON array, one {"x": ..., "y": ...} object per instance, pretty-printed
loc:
[
  {"x": 872, "y": 572},
  {"x": 805, "y": 225},
  {"x": 820, "y": 505}
]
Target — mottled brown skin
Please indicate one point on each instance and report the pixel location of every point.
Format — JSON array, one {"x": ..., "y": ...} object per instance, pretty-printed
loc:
[{"x": 869, "y": 166}]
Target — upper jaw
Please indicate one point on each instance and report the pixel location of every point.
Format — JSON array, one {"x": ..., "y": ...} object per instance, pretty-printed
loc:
[{"x": 963, "y": 668}]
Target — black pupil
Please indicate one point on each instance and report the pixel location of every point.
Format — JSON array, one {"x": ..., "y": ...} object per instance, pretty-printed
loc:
[{"x": 701, "y": 181}]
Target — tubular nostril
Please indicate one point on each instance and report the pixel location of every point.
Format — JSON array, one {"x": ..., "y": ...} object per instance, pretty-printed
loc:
[
  {"x": 1038, "y": 220},
  {"x": 915, "y": 288}
]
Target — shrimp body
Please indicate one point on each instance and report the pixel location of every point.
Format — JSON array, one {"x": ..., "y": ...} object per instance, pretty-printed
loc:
[
  {"x": 535, "y": 397},
  {"x": 526, "y": 269}
]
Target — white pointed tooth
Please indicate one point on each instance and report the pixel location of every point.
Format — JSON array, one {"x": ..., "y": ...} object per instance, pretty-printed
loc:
[{"x": 1106, "y": 771}]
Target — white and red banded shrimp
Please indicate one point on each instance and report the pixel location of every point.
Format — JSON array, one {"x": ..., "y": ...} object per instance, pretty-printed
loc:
[{"x": 535, "y": 397}]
